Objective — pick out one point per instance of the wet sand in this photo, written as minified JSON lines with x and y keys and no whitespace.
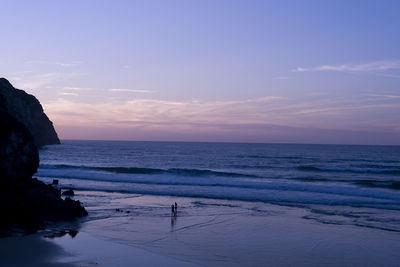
{"x":83,"y":250}
{"x":212,"y":232}
{"x":30,"y":250}
{"x":208,"y":232}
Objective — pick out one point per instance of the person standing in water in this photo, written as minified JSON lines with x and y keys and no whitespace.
{"x":176,"y":208}
{"x":173,"y":209}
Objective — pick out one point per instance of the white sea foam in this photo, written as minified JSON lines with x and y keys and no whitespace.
{"x":298,"y":175}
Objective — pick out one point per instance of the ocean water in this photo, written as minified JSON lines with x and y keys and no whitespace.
{"x":335,"y":184}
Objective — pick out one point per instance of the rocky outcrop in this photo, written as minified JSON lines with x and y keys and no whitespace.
{"x":26,"y":109}
{"x":30,"y":204}
{"x":19,"y":157}
{"x":26,"y":203}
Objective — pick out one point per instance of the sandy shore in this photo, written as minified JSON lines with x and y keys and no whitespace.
{"x":205,"y":232}
{"x":212,"y":232}
{"x":30,"y":250}
{"x":83,"y":250}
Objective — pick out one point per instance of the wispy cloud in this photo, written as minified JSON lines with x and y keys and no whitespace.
{"x":351,"y":113}
{"x":44,"y":80}
{"x":53,"y":63}
{"x":68,"y":94}
{"x":363,"y":67}
{"x":131,"y":90}
{"x":386,"y":96}
{"x":78,"y":88}
{"x":341,"y":110}
{"x":112,"y":111}
{"x":268,"y":109}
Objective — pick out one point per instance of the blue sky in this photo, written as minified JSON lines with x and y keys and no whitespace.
{"x":242,"y":71}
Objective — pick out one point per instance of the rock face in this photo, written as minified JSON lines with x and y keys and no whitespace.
{"x":27,"y":203}
{"x":19,"y":157}
{"x":26,"y":109}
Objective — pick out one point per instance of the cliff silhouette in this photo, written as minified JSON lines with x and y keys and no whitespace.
{"x":25,"y":202}
{"x":26,"y":109}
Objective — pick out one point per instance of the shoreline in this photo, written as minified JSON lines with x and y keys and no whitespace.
{"x":211,"y":232}
{"x":126,"y":229}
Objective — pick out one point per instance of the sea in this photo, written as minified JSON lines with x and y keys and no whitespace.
{"x":333,"y":184}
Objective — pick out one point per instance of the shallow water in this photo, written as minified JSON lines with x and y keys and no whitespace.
{"x":213,"y":232}
{"x":337,"y":184}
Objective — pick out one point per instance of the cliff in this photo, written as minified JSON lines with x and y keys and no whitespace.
{"x":25,"y":202}
{"x":19,"y":157}
{"x":26,"y":109}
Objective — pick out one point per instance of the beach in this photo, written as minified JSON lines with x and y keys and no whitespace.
{"x":238,"y":205}
{"x":225,"y":233}
{"x":38,"y":250}
{"x":205,"y":232}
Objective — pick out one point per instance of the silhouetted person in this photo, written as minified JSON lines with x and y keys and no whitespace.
{"x":173,"y":209}
{"x":176,"y":208}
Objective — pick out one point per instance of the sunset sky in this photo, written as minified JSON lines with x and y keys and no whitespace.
{"x":234,"y":71}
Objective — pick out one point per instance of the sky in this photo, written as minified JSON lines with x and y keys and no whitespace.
{"x":220,"y":70}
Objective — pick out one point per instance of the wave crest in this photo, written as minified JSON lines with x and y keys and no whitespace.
{"x":393,"y":171}
{"x":137,"y":170}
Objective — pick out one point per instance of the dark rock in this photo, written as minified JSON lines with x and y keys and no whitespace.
{"x":30,"y":203}
{"x":60,"y":233}
{"x":27,"y":203}
{"x":72,"y":233}
{"x":26,"y":109}
{"x":55,"y":181}
{"x":68,"y":192}
{"x":19,"y":156}
{"x":57,"y":234}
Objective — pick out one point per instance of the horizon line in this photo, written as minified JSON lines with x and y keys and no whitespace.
{"x":226,"y":142}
